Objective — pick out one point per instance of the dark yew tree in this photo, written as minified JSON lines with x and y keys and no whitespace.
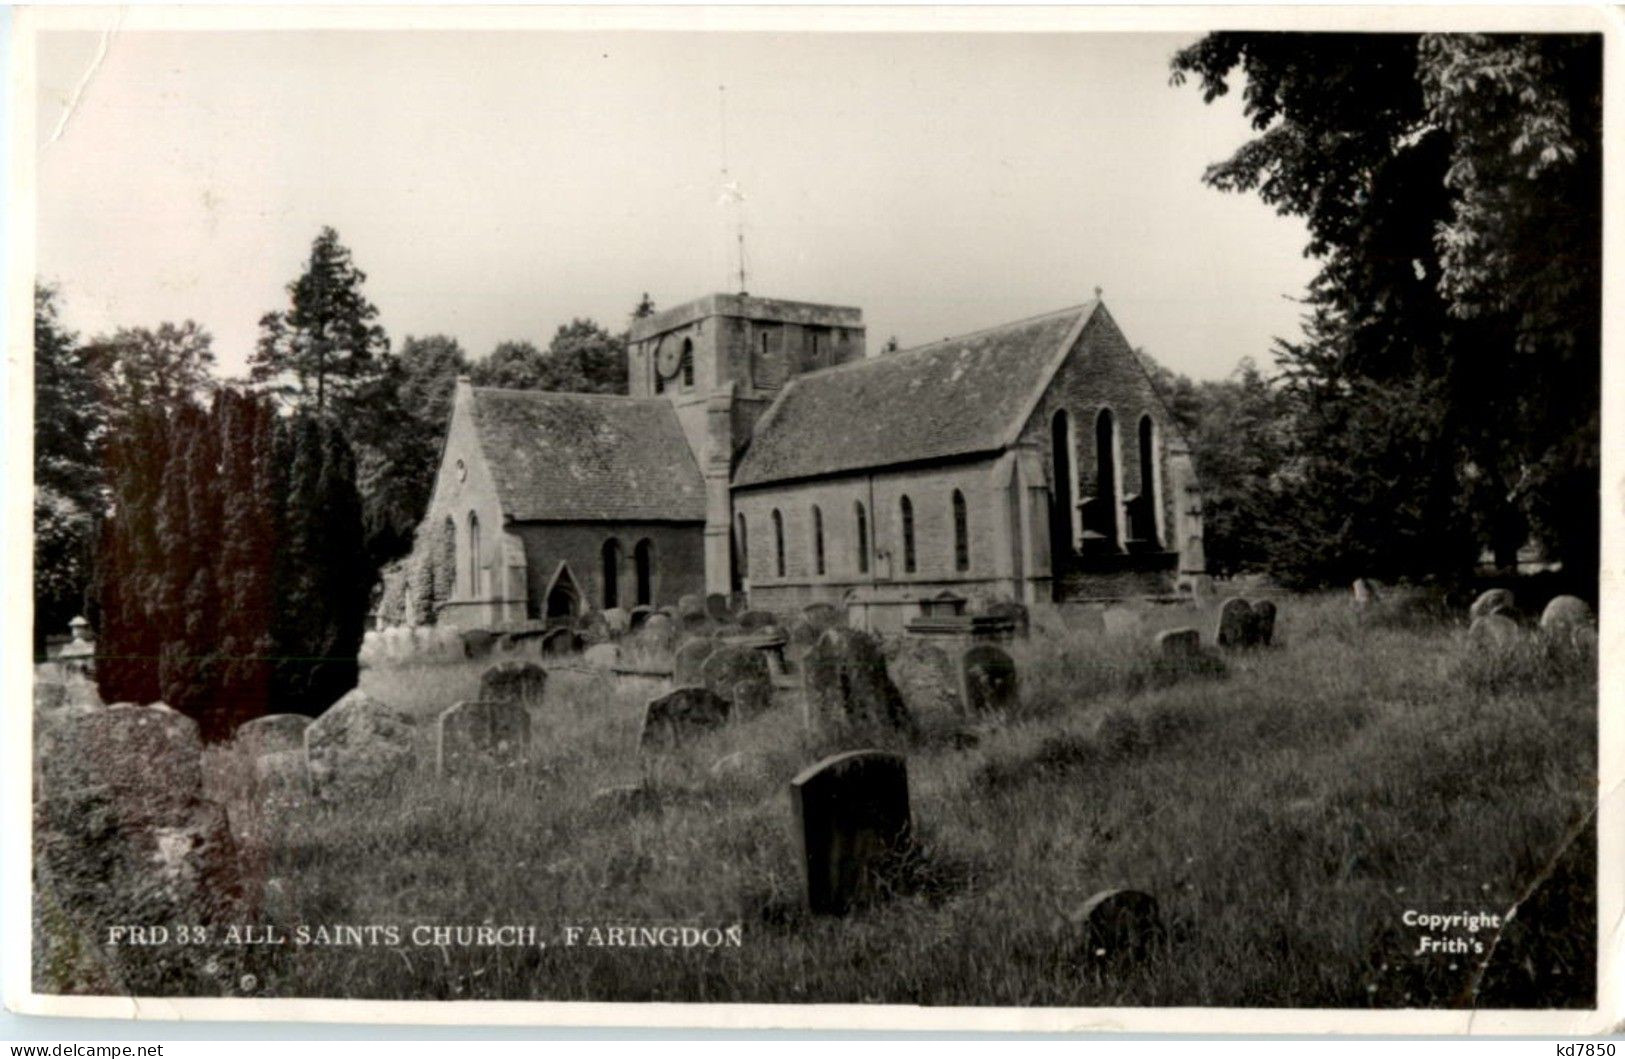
{"x":1444,"y":395}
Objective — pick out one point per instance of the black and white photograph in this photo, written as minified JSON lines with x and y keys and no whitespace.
{"x":899,"y":518}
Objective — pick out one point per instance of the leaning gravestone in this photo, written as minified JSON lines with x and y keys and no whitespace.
{"x":989,"y":674}
{"x":272,"y":734}
{"x":1493,"y":630}
{"x":1565,"y":613}
{"x":360,"y":747}
{"x":687,"y":660}
{"x":740,"y":675}
{"x":852,"y":819}
{"x":925,"y":676}
{"x":1179,"y":643}
{"x":480,"y":739}
{"x":1235,"y":624}
{"x":680,"y":716}
{"x":718,"y":607}
{"x":1263,"y":631}
{"x":1491,"y":601}
{"x":125,"y":836}
{"x":1117,"y":925}
{"x":521,"y":682}
{"x":844,"y":678}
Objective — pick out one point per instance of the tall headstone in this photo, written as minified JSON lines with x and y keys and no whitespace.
{"x":521,"y":682}
{"x":852,"y":819}
{"x":618,"y":622}
{"x":1179,"y":643}
{"x":482,"y":739}
{"x":359,"y":748}
{"x":989,"y":675}
{"x":927,"y":678}
{"x":680,"y":716}
{"x":740,"y":675}
{"x":844,"y":678}
{"x":687,"y":661}
{"x":1235,"y":624}
{"x":1263,"y":630}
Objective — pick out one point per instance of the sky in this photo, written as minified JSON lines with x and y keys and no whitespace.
{"x":495,"y":185}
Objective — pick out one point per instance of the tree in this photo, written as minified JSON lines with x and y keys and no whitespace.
{"x":137,"y":367}
{"x":325,"y":345}
{"x":1427,"y":169}
{"x":513,"y":366}
{"x":582,"y":358}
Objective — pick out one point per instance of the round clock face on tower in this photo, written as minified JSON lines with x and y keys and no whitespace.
{"x":668,"y":358}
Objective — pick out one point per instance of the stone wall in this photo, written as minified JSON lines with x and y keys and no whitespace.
{"x":679,"y":562}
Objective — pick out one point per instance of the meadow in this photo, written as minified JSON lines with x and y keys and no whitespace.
{"x":1286,"y":807}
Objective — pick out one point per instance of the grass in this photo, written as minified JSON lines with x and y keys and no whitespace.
{"x":1285,"y":807}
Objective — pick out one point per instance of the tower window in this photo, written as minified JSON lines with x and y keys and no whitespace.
{"x":818,"y":539}
{"x":863,"y":537}
{"x":778,"y":542}
{"x":688,"y":364}
{"x":906,"y":509}
{"x":961,"y":533}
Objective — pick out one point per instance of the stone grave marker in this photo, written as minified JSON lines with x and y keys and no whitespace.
{"x":756,"y":619}
{"x":272,"y":734}
{"x":637,"y":616}
{"x":602,"y":655}
{"x":718,"y":607}
{"x":989,"y":676}
{"x":281,"y":778}
{"x":690,"y":603}
{"x":1118,"y":926}
{"x":1365,"y":593}
{"x":1263,"y":628}
{"x":687,"y":660}
{"x":844,"y":678}
{"x":1565,"y":613}
{"x":1493,"y":630}
{"x":592,"y":627}
{"x":823,"y":616}
{"x":694,"y":624}
{"x":681,"y":715}
{"x":1235,"y":624}
{"x":477,"y":643}
{"x":1179,"y":643}
{"x":359,"y":748}
{"x":482,"y":739}
{"x":852,"y":819}
{"x":740,"y":675}
{"x":557,"y":643}
{"x":1018,"y":614}
{"x":925,"y":676}
{"x":618,"y":622}
{"x":513,"y":681}
{"x":659,"y":628}
{"x":1490,"y":601}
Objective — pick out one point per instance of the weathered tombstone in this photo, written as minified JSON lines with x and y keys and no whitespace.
{"x":740,"y":675}
{"x":1179,"y":643}
{"x":1493,"y":630}
{"x":1118,"y":925}
{"x":687,"y":660}
{"x":1564,"y":613}
{"x":556,"y":643}
{"x":925,"y":676}
{"x":823,"y":616}
{"x":1018,"y":614}
{"x":482,"y":739}
{"x":1491,"y":601}
{"x":477,"y":643}
{"x":281,"y":778}
{"x":681,"y":715}
{"x":694,"y":624}
{"x":756,"y":619}
{"x":602,"y":655}
{"x":637,"y":616}
{"x":717,"y":607}
{"x":592,"y":627}
{"x":1263,"y":628}
{"x":1365,"y":593}
{"x":658,"y":627}
{"x":358,"y":748}
{"x":989,"y":675}
{"x":521,"y":682}
{"x":272,"y":734}
{"x":618,"y":622}
{"x":852,"y":819}
{"x":844,"y":677}
{"x":690,"y":603}
{"x":1235,"y":624}
{"x":1584,"y":638}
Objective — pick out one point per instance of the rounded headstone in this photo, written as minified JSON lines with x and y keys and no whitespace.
{"x":658,"y":627}
{"x":1365,"y":593}
{"x":990,"y":679}
{"x":1179,"y":643}
{"x":844,"y":678}
{"x":272,"y":734}
{"x":477,"y":643}
{"x":1235,"y":623}
{"x":521,"y":682}
{"x":925,"y":676}
{"x":740,"y":675}
{"x":1489,"y":602}
{"x":1117,"y":925}
{"x":1564,"y":613}
{"x":281,"y":778}
{"x":853,"y":821}
{"x":690,"y":603}
{"x":1493,"y":630}
{"x":637,"y":616}
{"x":482,"y":739}
{"x":1263,"y":626}
{"x":359,"y":747}
{"x":617,"y":621}
{"x":718,"y":607}
{"x":681,"y":715}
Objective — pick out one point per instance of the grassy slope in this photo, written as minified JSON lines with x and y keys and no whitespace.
{"x":1284,"y":813}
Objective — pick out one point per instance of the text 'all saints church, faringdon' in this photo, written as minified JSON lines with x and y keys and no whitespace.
{"x":761,"y":451}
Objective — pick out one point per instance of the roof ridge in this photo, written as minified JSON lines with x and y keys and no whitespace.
{"x":884,"y":357}
{"x":563,"y":393}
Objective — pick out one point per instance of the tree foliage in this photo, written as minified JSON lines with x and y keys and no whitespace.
{"x":583,"y":357}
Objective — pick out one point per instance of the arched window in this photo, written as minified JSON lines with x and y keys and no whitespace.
{"x":1063,"y":535}
{"x":643,"y":571}
{"x":741,"y":546}
{"x":778,"y":542}
{"x":1106,"y":473}
{"x":906,"y":509}
{"x":449,"y":555}
{"x":818,"y":539}
{"x":1149,"y":506}
{"x":612,"y":573}
{"x":961,"y":533}
{"x":474,"y":555}
{"x":687,"y":367}
{"x":863,"y":537}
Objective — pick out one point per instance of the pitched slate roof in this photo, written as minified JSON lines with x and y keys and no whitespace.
{"x":597,"y":457}
{"x":951,"y":398}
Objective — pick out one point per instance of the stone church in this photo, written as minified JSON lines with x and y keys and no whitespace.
{"x":761,"y":452}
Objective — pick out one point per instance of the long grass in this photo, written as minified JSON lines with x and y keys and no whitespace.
{"x":1285,"y":807}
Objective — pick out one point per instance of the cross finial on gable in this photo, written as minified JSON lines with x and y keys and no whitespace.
{"x":1098,"y":293}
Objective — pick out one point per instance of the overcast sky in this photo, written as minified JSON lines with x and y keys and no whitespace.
{"x":494,"y":185}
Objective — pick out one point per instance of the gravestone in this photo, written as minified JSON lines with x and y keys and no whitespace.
{"x":926,"y":678}
{"x":844,"y":678}
{"x":1263,"y":630}
{"x":740,"y":675}
{"x":618,"y":622}
{"x":1118,"y":926}
{"x":680,"y":716}
{"x":803,"y":634}
{"x":557,"y":643}
{"x":751,"y":620}
{"x":694,"y":624}
{"x":823,"y":616}
{"x":272,"y":734}
{"x":1565,"y":613}
{"x":1493,"y":630}
{"x":521,"y":682}
{"x":658,"y":628}
{"x":1179,"y":643}
{"x":852,"y":819}
{"x":637,"y":616}
{"x":592,"y":628}
{"x":281,"y":778}
{"x":602,"y":655}
{"x":482,"y":739}
{"x":989,"y":675}
{"x":1017,"y":613}
{"x":718,"y":608}
{"x":687,"y":660}
{"x":690,"y":603}
{"x":1235,"y":624}
{"x":477,"y":643}
{"x":1365,"y":593}
{"x":1491,"y":601}
{"x":359,"y":748}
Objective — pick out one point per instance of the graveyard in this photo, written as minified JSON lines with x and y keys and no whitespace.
{"x":1163,"y":805}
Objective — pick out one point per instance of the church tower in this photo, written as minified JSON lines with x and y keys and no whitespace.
{"x":721,"y":360}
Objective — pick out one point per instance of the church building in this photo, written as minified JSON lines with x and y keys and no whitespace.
{"x":760,"y":451}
